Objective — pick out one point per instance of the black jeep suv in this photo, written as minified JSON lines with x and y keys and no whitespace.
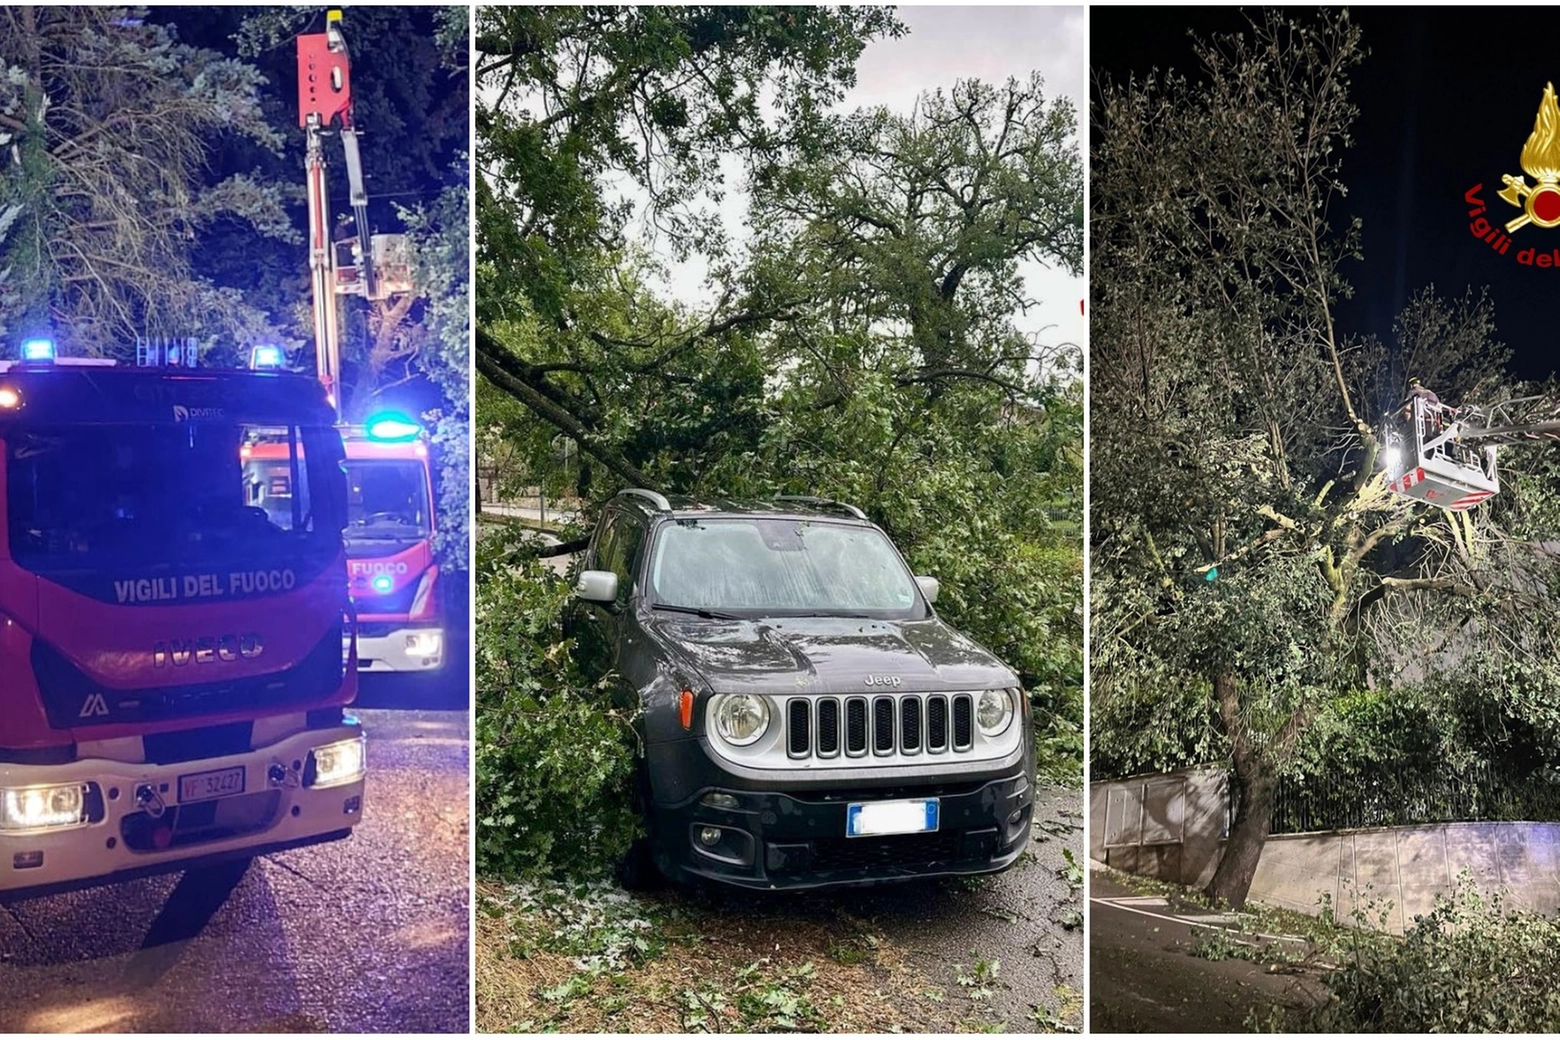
{"x":806,"y":718}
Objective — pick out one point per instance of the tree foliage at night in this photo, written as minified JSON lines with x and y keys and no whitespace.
{"x":153,"y":185}
{"x":1250,"y":567}
{"x":109,"y":123}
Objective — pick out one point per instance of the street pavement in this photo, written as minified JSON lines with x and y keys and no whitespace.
{"x":369,"y":934}
{"x":535,"y":514}
{"x":560,"y":564}
{"x":1144,"y":976}
{"x":1028,"y":920}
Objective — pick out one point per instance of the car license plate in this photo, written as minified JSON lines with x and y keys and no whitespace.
{"x":916,"y":816}
{"x":198,"y":787}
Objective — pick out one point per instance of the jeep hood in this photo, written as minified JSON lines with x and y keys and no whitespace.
{"x":829,"y":655}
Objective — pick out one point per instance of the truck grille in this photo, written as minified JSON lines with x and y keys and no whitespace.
{"x":904,"y":724}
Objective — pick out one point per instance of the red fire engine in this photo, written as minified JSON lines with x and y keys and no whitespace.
{"x":391,"y":518}
{"x":176,"y":648}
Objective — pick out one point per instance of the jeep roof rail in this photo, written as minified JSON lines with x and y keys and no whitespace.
{"x":814,"y":500}
{"x":655,"y":498}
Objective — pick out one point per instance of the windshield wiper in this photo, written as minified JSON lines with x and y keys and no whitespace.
{"x":831,"y":613}
{"x":713,"y":615}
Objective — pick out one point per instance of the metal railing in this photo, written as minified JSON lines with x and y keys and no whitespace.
{"x":1328,"y":803}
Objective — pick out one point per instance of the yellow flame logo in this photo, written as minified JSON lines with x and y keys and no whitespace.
{"x":1541,"y":161}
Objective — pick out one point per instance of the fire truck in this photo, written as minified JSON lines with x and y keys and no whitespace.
{"x":391,"y":519}
{"x":391,"y":573}
{"x":176,"y":652}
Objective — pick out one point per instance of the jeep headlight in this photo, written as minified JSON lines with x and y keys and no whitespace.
{"x":994,"y":712}
{"x":741,"y":718}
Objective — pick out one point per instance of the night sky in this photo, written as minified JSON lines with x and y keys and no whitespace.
{"x":1446,"y":100}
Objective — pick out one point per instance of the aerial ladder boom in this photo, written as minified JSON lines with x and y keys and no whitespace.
{"x":372,"y":266}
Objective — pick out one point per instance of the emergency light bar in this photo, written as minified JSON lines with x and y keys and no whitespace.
{"x":267,"y":355}
{"x":38,"y":350}
{"x":391,"y":427}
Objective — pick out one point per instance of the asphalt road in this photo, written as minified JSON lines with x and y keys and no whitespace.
{"x":370,"y":934}
{"x":1144,"y":977}
{"x":1027,"y":919}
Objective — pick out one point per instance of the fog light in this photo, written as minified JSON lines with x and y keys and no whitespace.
{"x":709,"y":836}
{"x":424,"y":644}
{"x":721,"y":800}
{"x":42,"y":808}
{"x":331,"y":765}
{"x":27,"y":860}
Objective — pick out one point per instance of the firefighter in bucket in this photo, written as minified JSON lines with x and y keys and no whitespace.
{"x":1434,"y":417}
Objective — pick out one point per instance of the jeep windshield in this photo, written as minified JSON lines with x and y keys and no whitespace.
{"x":770,"y":567}
{"x":98,"y":496}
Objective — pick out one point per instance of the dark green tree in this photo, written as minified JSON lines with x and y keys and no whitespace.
{"x":1245,"y":543}
{"x":108,"y":123}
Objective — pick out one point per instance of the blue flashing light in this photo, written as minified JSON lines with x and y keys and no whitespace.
{"x":391,"y":427}
{"x":383,"y":583}
{"x":267,"y":355}
{"x":38,"y":350}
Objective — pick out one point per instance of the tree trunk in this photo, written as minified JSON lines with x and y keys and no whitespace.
{"x":1254,"y":814}
{"x":1253,"y":819}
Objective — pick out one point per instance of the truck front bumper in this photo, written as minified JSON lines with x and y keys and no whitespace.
{"x":400,"y":648}
{"x":790,"y":840}
{"x":138,"y":824}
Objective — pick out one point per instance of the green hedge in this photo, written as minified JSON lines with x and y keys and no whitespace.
{"x":554,"y":759}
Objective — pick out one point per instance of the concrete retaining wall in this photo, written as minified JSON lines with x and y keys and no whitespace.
{"x":1172,"y":826}
{"x":1407,"y":867}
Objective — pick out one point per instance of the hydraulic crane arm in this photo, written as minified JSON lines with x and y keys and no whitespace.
{"x":325,"y":99}
{"x":1516,"y":421}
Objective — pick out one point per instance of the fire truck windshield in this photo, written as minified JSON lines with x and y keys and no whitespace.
{"x":387,"y":501}
{"x":91,"y":496}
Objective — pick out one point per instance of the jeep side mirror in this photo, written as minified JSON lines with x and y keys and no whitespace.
{"x":597,"y":586}
{"x":929,"y":587}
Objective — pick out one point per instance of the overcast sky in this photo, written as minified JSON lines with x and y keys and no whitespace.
{"x":946,"y":44}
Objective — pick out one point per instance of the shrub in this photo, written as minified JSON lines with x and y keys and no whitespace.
{"x":554,"y":759}
{"x":1467,"y":966}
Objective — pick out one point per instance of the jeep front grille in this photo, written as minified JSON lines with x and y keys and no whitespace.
{"x":798,"y":728}
{"x":856,"y":726}
{"x":903,"y":724}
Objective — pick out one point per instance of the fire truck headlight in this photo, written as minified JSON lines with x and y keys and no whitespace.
{"x":424,"y":644}
{"x":10,"y":397}
{"x":331,"y":765}
{"x":42,"y":808}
